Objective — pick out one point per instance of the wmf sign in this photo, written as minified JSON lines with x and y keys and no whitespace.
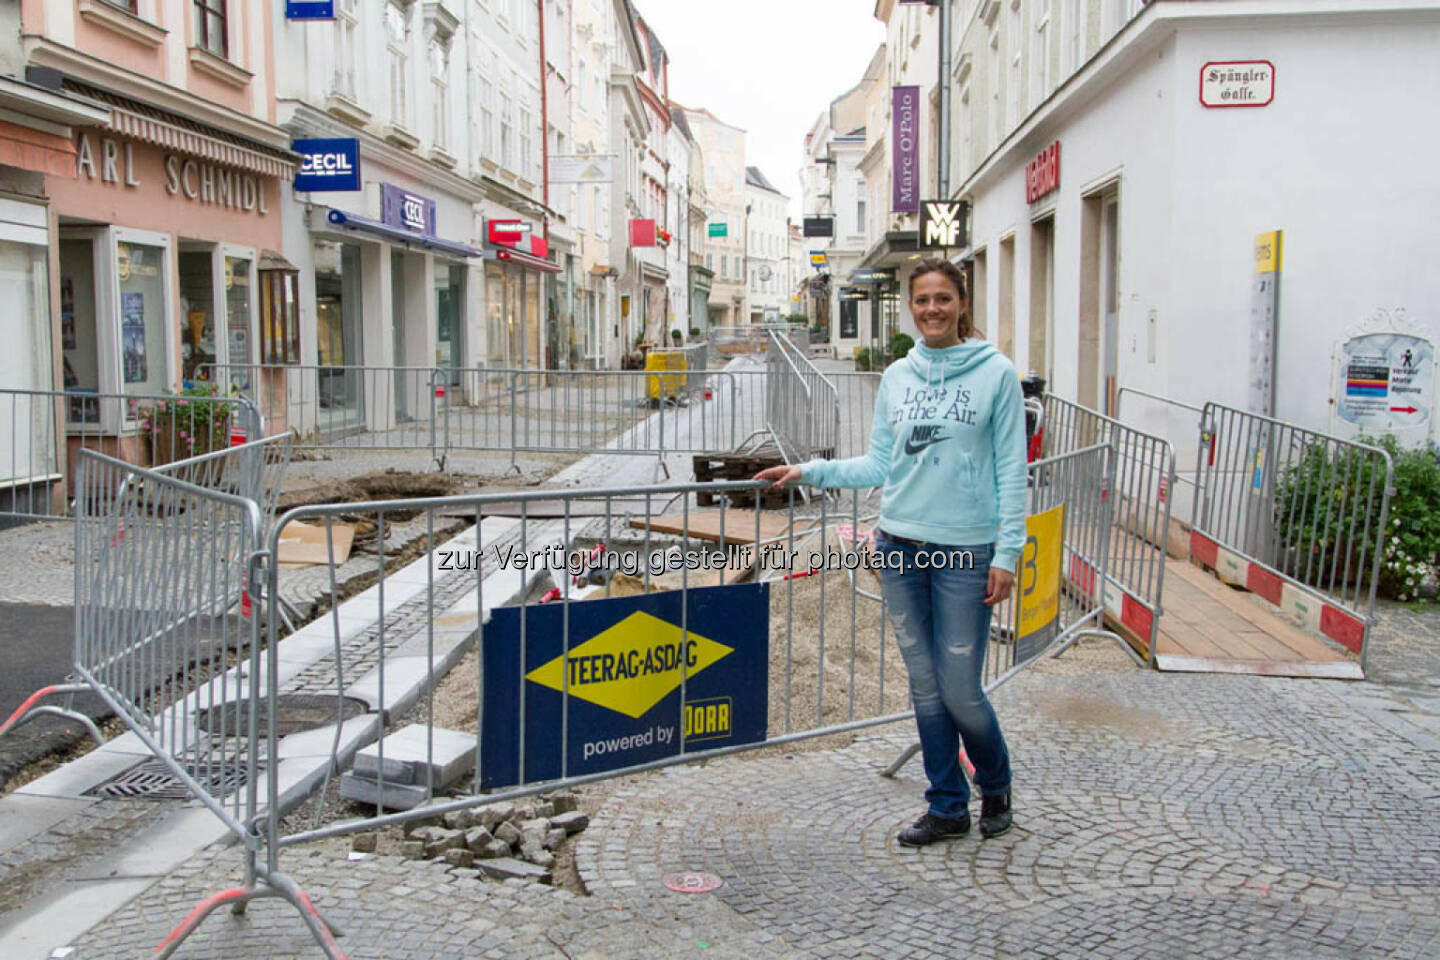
{"x":942,"y":223}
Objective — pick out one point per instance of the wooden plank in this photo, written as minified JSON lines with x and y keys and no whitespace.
{"x":1304,"y":646}
{"x":705,"y":525}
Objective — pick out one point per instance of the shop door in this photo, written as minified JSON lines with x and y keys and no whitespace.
{"x":1110,"y":296}
{"x":397,"y":330}
{"x":199,"y":353}
{"x":449,"y":312}
{"x":339,"y":393}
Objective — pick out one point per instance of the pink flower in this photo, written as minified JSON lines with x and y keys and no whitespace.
{"x":181,"y":403}
{"x":184,"y":435}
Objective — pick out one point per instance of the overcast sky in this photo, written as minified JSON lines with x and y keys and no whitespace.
{"x":767,"y":66}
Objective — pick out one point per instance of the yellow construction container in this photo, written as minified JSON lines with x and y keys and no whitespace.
{"x":664,"y":386}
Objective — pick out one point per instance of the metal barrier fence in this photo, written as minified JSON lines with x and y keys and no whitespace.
{"x":620,"y":411}
{"x":719,"y":666}
{"x":802,"y":407}
{"x":117,"y":500}
{"x":43,"y":431}
{"x":1183,"y":497}
{"x":1281,"y":505}
{"x":345,"y":407}
{"x":1144,"y":477}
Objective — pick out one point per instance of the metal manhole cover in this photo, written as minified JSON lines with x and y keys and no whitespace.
{"x":152,"y":780}
{"x":294,"y":713}
{"x":693,"y":882}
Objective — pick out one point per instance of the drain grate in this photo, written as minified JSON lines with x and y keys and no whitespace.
{"x":152,"y":780}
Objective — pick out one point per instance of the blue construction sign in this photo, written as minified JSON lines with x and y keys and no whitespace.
{"x":627,"y":658}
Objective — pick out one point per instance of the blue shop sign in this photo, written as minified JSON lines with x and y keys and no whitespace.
{"x":328,"y":165}
{"x":309,"y":9}
{"x":409,"y":211}
{"x":626,"y":661}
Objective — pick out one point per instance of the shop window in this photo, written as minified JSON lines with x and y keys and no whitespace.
{"x":397,"y":36}
{"x":345,"y":21}
{"x":142,"y":273}
{"x":211,"y":28}
{"x":279,"y":310}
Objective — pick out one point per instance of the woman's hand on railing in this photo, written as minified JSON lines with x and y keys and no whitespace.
{"x":781,"y":475}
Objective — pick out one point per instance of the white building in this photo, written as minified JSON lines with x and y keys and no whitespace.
{"x":723,"y":149}
{"x":836,"y":145}
{"x":767,"y":250}
{"x":1128,"y":257}
{"x":678,"y":216}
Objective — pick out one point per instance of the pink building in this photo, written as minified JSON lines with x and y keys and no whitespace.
{"x":171,"y":197}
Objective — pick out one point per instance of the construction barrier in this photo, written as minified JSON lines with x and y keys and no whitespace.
{"x":1296,"y":516}
{"x":1144,"y":475}
{"x":352,"y":407}
{"x":43,"y":431}
{"x":802,"y":406}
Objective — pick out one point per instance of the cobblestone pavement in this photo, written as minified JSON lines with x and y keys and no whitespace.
{"x":1179,"y":815}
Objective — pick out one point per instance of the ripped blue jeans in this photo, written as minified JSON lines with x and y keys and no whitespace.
{"x":942,"y":625}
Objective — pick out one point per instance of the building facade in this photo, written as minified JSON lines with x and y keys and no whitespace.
{"x":767,"y":248}
{"x":723,"y":149}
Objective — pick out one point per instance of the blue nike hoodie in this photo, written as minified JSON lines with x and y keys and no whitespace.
{"x":948,"y":444}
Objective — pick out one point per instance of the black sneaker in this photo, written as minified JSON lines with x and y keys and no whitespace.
{"x":932,"y":829}
{"x":995,"y":815}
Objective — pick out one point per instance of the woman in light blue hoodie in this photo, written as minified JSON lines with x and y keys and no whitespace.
{"x":948,"y":446}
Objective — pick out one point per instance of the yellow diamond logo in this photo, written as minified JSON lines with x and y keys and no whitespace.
{"x":633,"y":665}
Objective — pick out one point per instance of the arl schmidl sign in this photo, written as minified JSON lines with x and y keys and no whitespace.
{"x":905,"y":150}
{"x":1042,"y":175}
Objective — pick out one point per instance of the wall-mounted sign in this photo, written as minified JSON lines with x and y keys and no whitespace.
{"x":905,"y":149}
{"x":1237,"y":83}
{"x":583,"y":168}
{"x":942,"y":224}
{"x":506,"y":233}
{"x":818,"y":227}
{"x":871,"y":275}
{"x":328,"y":164}
{"x":642,"y":233}
{"x":718,"y":229}
{"x":1264,"y":311}
{"x":818,"y":258}
{"x":401,"y":208}
{"x":1386,"y":383}
{"x":1042,"y":175}
{"x":309,"y":9}
{"x":853,"y":293}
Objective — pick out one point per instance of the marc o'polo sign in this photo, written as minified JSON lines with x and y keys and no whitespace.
{"x":327,"y":165}
{"x":1237,"y":83}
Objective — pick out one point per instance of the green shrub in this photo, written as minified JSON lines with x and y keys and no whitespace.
{"x":676,"y":336}
{"x":1321,"y":505}
{"x":862,"y":359}
{"x":899,"y":345}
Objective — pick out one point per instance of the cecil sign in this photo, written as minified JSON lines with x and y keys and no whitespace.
{"x":328,"y":164}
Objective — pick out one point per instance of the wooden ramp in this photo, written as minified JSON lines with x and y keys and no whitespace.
{"x":1208,"y":627}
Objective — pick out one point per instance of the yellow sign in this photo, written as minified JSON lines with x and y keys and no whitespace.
{"x":1039,"y":580}
{"x":1268,"y":251}
{"x":633,"y":665}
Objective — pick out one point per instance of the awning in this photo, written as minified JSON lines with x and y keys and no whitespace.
{"x":519,"y":259}
{"x":348,"y":221}
{"x":149,"y":124}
